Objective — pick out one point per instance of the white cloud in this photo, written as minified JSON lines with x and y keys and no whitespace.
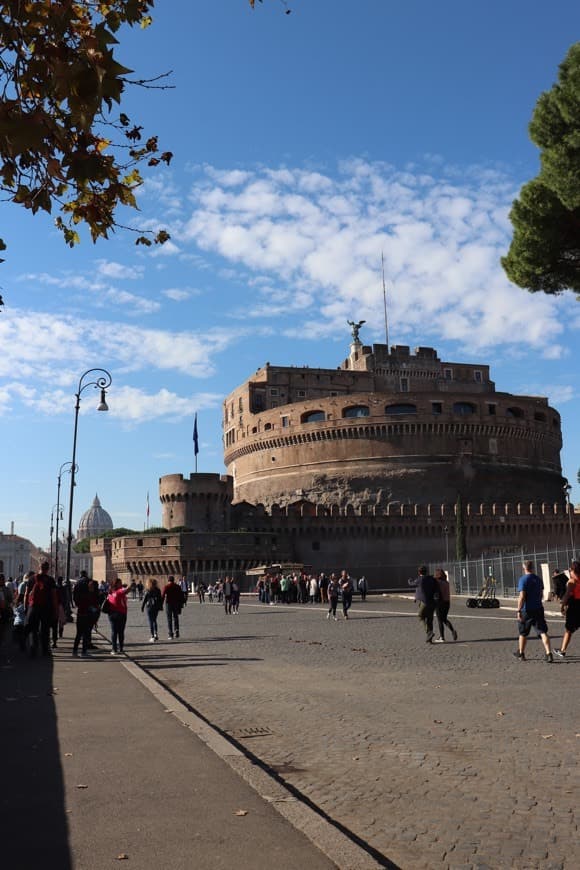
{"x":118,"y":271}
{"x":320,"y":239}
{"x":178,"y":295}
{"x":44,"y":354}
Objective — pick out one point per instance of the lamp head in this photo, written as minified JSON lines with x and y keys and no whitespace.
{"x":102,"y":406}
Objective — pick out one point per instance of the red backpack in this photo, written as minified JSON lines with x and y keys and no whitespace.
{"x":39,"y":595}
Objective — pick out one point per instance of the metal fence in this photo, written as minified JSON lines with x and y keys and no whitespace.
{"x":469,"y":577}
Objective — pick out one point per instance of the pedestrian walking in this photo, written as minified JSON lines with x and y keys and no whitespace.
{"x":347,"y":590}
{"x":332,"y":597}
{"x":227,"y":595}
{"x":442,"y":605}
{"x":363,"y":586}
{"x":425,"y":590}
{"x":152,"y":603}
{"x":60,"y":621}
{"x":173,"y":600}
{"x":41,"y":609}
{"x":117,"y":613}
{"x":235,"y":597}
{"x":6,"y":601}
{"x":313,"y":590}
{"x":570,"y":608}
{"x":85,"y":600}
{"x":530,"y":612}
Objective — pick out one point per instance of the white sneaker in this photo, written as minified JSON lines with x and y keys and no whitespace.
{"x":328,"y":615}
{"x":152,"y":640}
{"x":439,"y":640}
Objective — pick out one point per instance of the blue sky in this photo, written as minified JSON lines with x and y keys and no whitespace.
{"x":304,"y":145}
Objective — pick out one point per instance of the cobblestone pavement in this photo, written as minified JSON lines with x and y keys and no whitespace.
{"x":448,"y":755}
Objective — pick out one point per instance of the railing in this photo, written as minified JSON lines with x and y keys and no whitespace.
{"x":470,"y":576}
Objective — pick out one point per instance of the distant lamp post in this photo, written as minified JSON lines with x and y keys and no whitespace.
{"x":101,"y":383}
{"x":55,"y":512}
{"x":446,"y":533}
{"x":66,"y":466}
{"x":567,"y":488}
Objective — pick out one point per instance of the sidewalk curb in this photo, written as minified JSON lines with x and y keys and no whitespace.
{"x":339,"y":848}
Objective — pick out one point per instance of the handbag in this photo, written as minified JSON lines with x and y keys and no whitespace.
{"x":106,"y":606}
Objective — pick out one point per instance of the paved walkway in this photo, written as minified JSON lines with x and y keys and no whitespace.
{"x":255,"y":737}
{"x":94,"y":768}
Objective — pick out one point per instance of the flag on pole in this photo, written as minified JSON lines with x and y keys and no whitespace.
{"x":147,"y":504}
{"x":195,"y":439}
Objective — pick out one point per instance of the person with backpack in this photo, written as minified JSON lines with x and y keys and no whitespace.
{"x":41,"y":606}
{"x":85,"y":600}
{"x":152,"y":603}
{"x":173,"y":600}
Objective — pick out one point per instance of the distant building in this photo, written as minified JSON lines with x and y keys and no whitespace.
{"x":18,"y":555}
{"x":94,"y":522}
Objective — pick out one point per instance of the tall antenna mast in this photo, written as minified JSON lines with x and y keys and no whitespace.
{"x":385,"y":300}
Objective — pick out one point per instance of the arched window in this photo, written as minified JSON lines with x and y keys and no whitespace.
{"x":268,"y":426}
{"x":356,"y":411}
{"x":401,"y":408}
{"x":515,"y":412}
{"x":464,"y":408}
{"x":312,"y":417}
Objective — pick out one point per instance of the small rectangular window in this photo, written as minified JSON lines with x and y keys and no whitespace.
{"x":333,"y":394}
{"x":163,"y":542}
{"x":285,"y":422}
{"x":139,"y":542}
{"x":491,"y":409}
{"x":404,"y":382}
{"x":448,"y":374}
{"x":477,"y":376}
{"x":437,"y":407}
{"x":273,"y":391}
{"x":274,"y":404}
{"x":301,"y":394}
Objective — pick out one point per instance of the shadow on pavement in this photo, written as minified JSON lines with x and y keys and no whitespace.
{"x":32,"y":801}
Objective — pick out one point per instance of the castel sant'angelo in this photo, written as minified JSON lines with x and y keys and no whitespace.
{"x":361,"y":466}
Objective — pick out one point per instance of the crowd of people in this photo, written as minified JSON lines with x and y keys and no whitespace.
{"x":37,"y":609}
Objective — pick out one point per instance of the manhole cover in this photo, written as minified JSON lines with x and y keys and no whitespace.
{"x":245,"y":733}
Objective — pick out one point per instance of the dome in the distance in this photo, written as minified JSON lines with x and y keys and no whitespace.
{"x":94,"y":522}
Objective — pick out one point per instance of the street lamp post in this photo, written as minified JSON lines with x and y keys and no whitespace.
{"x":567,"y":488}
{"x":56,"y":511}
{"x":66,"y":466}
{"x":446,"y":533}
{"x":101,"y":383}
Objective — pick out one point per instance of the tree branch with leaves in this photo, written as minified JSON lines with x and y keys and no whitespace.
{"x":64,"y":144}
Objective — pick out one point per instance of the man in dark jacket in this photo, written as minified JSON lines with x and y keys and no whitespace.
{"x":173,"y":601}
{"x":425,"y":590}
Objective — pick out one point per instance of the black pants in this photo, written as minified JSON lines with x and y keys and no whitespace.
{"x":172,"y":614}
{"x":442,"y":611}
{"x":39,"y":622}
{"x":426,"y":612}
{"x":84,"y":626}
{"x":118,"y":622}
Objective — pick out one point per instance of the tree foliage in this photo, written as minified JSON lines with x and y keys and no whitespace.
{"x":545,"y":250}
{"x":64,"y":143}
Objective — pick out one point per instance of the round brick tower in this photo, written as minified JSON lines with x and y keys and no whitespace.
{"x":388,"y":426}
{"x":200,"y":503}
